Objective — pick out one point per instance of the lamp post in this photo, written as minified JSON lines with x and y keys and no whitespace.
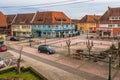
{"x":109,"y":74}
{"x":30,"y":40}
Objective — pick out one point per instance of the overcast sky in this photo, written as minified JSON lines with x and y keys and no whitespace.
{"x":72,"y":8}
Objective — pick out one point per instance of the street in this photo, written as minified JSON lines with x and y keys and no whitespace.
{"x":59,"y":66}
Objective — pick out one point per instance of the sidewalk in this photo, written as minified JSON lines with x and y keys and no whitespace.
{"x":86,"y":66}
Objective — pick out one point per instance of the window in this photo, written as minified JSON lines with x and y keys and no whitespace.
{"x":111,"y":25}
{"x":118,"y":25}
{"x":44,"y":32}
{"x":60,"y":19}
{"x":114,"y":18}
{"x":49,"y":26}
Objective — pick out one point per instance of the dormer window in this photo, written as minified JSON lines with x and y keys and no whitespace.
{"x":40,"y":19}
{"x":64,"y":19}
{"x":60,"y":19}
{"x":114,"y":18}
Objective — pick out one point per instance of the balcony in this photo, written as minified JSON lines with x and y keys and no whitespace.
{"x":53,"y":29}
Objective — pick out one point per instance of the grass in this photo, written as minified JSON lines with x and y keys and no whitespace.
{"x":25,"y":75}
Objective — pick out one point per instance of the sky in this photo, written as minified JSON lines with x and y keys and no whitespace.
{"x":75,"y":9}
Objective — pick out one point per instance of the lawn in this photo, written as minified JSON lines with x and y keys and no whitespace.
{"x":25,"y":75}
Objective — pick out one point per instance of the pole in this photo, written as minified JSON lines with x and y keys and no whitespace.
{"x":30,"y":41}
{"x":45,"y":40}
{"x":109,"y":74}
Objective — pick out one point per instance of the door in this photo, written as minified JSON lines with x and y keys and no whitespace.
{"x":39,"y":33}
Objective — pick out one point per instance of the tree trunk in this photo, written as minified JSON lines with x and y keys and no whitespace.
{"x":69,"y":50}
{"x":18,"y":66}
{"x":89,"y":54}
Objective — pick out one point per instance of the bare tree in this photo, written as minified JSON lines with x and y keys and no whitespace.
{"x":68,"y":42}
{"x":89,"y":46}
{"x":18,"y":61}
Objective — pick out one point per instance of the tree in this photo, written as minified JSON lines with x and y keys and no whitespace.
{"x":18,"y":61}
{"x":89,"y":46}
{"x":113,"y":51}
{"x":68,"y":42}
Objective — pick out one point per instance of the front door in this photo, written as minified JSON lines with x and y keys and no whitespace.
{"x":39,"y":33}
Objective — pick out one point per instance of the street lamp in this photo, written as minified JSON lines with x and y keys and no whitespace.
{"x":30,"y":39}
{"x":109,"y":74}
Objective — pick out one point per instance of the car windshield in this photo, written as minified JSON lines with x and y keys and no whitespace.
{"x":49,"y":47}
{"x":2,"y":46}
{"x":1,"y":59}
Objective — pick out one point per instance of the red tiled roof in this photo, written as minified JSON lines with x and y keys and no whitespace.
{"x":23,"y":18}
{"x":10,"y":18}
{"x":75,"y":21}
{"x":90,"y":19}
{"x":109,"y":13}
{"x":50,"y":17}
{"x":3,"y":22}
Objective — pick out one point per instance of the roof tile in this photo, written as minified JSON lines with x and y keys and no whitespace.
{"x":109,"y":13}
{"x":51,"y":17}
{"x":90,"y":19}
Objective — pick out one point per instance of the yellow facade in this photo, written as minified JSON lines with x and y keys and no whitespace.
{"x":21,"y":30}
{"x":86,"y":27}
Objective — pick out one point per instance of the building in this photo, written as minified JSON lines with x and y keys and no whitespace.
{"x":77,"y":23}
{"x":9,"y":19}
{"x":3,"y":27}
{"x":52,"y":24}
{"x":110,"y":23}
{"x":21,"y":25}
{"x":3,"y":23}
{"x":89,"y":23}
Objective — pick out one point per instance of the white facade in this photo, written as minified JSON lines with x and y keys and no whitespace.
{"x":110,"y":25}
{"x":21,"y":30}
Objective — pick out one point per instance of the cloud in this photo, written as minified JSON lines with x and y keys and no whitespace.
{"x":73,"y":10}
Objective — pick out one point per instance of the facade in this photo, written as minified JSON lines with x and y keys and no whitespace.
{"x":89,"y":23}
{"x":77,"y":23}
{"x":52,"y":24}
{"x":110,"y":23}
{"x":21,"y":25}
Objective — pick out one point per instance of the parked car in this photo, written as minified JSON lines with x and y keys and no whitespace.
{"x":1,"y":63}
{"x":14,"y":39}
{"x":3,"y":48}
{"x":46,"y":49}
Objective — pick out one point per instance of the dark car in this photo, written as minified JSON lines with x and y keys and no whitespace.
{"x":14,"y":39}
{"x":46,"y":49}
{"x":3,"y":48}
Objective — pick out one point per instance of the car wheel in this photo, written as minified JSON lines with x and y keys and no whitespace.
{"x":39,"y":51}
{"x":48,"y":52}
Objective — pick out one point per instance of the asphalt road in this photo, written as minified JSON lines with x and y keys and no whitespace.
{"x":83,"y":74}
